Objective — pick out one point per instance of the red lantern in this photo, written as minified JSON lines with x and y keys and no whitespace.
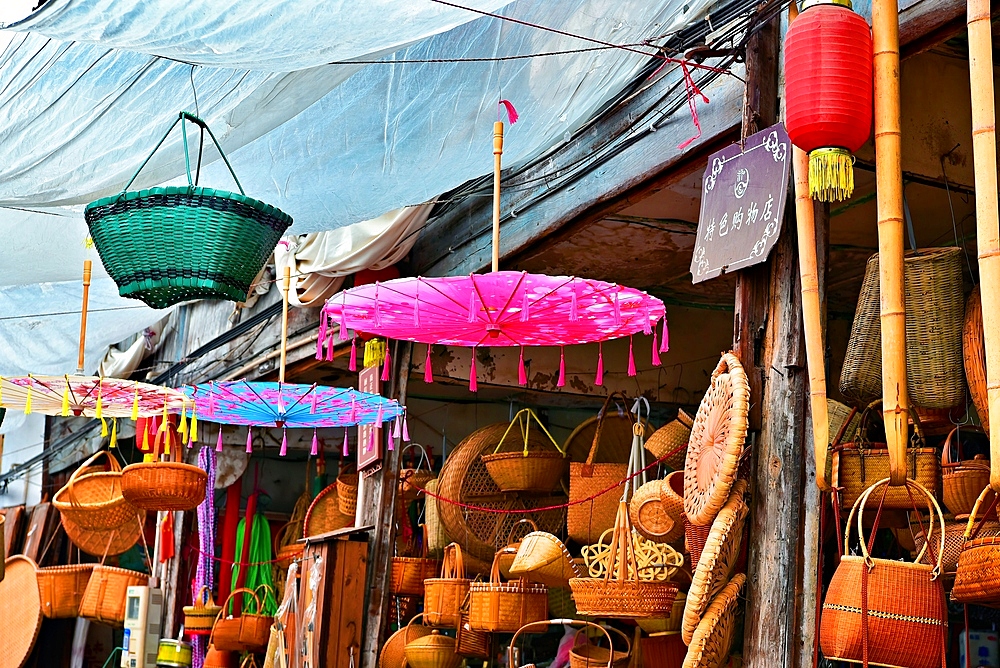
{"x":828,"y":93}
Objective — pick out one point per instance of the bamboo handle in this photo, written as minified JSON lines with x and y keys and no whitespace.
{"x":497,"y":156}
{"x":83,"y":314}
{"x":889,"y":200}
{"x":984,"y":153}
{"x":286,"y":286}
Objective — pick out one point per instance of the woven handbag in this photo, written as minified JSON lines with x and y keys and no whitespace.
{"x":587,"y":518}
{"x":173,"y":244}
{"x":977,"y":578}
{"x":935,"y":307}
{"x":247,"y":632}
{"x":504,"y":607}
{"x":93,"y":500}
{"x":201,"y":615}
{"x":860,"y":463}
{"x":444,"y":595}
{"x":527,"y":469}
{"x":408,"y":574}
{"x":963,"y":480}
{"x":469,"y":643}
{"x":954,"y":540}
{"x":106,"y":593}
{"x":886,"y":612}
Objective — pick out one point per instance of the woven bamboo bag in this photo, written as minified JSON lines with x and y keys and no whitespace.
{"x":527,"y":469}
{"x":935,"y":308}
{"x":885,"y":612}
{"x":954,"y":541}
{"x":963,"y":480}
{"x":860,"y":463}
{"x":588,"y":518}
{"x":504,"y":607}
{"x":246,"y":632}
{"x":201,"y":615}
{"x":444,"y":596}
{"x":977,"y":578}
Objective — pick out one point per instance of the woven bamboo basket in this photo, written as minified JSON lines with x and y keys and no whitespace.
{"x":164,"y":485}
{"x":526,"y":469}
{"x":324,"y":514}
{"x":106,"y":543}
{"x":286,"y":546}
{"x":542,"y":558}
{"x":393,"y":652}
{"x":471,"y":644}
{"x":464,"y":478}
{"x":347,"y":494}
{"x":648,"y":514}
{"x":432,"y":651}
{"x":201,"y":615}
{"x":414,"y":479}
{"x":107,"y":590}
{"x":954,"y":540}
{"x":436,"y":537}
{"x":589,"y":655}
{"x":94,"y":501}
{"x":172,"y":244}
{"x":513,"y":543}
{"x":408,"y":574}
{"x":504,"y":607}
{"x":444,"y":595}
{"x":713,"y":638}
{"x":977,"y":577}
{"x":621,"y":592}
{"x":669,"y":623}
{"x":61,"y":589}
{"x":247,"y":632}
{"x":672,"y":439}
{"x":907,"y":614}
{"x":963,"y":480}
{"x":663,"y":650}
{"x":974,"y":356}
{"x":717,"y":438}
{"x":672,"y":500}
{"x":935,"y":307}
{"x":20,"y":611}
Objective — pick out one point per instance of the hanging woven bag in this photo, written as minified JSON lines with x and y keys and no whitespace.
{"x":444,"y":595}
{"x":962,"y":480}
{"x":200,"y":616}
{"x":93,"y":500}
{"x":977,"y":578}
{"x":246,"y":632}
{"x":526,"y":469}
{"x":886,"y":612}
{"x":414,"y":479}
{"x":106,"y":593}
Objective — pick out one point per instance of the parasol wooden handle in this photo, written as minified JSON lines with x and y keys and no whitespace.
{"x":83,"y":314}
{"x":497,"y":155}
{"x":285,"y":287}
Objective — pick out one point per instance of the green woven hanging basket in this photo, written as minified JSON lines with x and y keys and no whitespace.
{"x":172,"y":244}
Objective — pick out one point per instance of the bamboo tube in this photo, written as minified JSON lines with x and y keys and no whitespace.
{"x":285,"y":287}
{"x":889,"y":189}
{"x":497,"y":154}
{"x":984,"y":152}
{"x":83,"y":315}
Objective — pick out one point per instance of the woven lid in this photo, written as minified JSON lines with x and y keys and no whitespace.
{"x":714,"y":636}
{"x":20,"y":611}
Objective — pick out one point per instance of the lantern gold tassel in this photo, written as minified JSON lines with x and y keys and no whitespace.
{"x":65,"y":402}
{"x":374,"y":352}
{"x":831,"y":175}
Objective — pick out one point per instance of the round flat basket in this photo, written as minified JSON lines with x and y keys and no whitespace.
{"x":111,"y":542}
{"x":713,"y":638}
{"x":464,"y":478}
{"x":616,"y":439}
{"x":718,"y":558}
{"x":650,"y":516}
{"x":20,"y":611}
{"x":716,"y":444}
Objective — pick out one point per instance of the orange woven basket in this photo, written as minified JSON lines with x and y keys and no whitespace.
{"x":107,"y":590}
{"x":504,"y":607}
{"x":347,"y":494}
{"x":974,"y":355}
{"x":106,"y":543}
{"x":589,"y":655}
{"x":444,"y":595}
{"x":413,"y":480}
{"x":61,"y":589}
{"x":408,"y":574}
{"x":977,"y":578}
{"x":94,"y":501}
{"x":324,"y":514}
{"x":527,"y":469}
{"x":961,"y":481}
{"x":164,"y":485}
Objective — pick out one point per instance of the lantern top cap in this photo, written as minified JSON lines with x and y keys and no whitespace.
{"x":812,"y":3}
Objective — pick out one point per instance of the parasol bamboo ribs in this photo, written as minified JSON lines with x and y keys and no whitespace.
{"x":984,"y":152}
{"x":286,"y":286}
{"x":497,"y":156}
{"x":889,"y":189}
{"x":83,"y":315}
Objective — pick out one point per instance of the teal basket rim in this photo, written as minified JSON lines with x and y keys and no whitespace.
{"x":196,"y":190}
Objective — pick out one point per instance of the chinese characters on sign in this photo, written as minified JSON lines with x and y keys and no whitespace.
{"x":742,"y":204}
{"x":369,"y":450}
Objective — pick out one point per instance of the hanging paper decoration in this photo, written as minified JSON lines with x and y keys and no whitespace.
{"x":828,"y":93}
{"x":89,"y":396}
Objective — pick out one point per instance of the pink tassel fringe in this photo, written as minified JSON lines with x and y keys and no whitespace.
{"x":353,"y":366}
{"x":522,"y":374}
{"x":428,"y":372}
{"x":599,"y":379}
{"x":473,"y":381}
{"x":562,"y":367}
{"x":631,"y":358}
{"x":314,"y":450}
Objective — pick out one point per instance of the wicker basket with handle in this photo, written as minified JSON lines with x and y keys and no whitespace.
{"x":977,"y":578}
{"x":962,"y":480}
{"x":588,"y":655}
{"x":106,"y":593}
{"x":526,"y":469}
{"x":540,"y":626}
{"x":408,"y":574}
{"x":935,"y":308}
{"x":542,"y":558}
{"x":201,"y":615}
{"x":61,"y":589}
{"x":504,"y":607}
{"x":347,"y":493}
{"x":324,"y":514}
{"x":247,"y":632}
{"x":954,"y":540}
{"x":891,"y":612}
{"x":588,"y":518}
{"x":444,"y":595}
{"x":94,"y":501}
{"x":164,"y":485}
{"x":413,"y":479}
{"x":671,"y":440}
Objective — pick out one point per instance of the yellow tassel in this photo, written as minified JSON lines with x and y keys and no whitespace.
{"x":27,"y":399}
{"x":104,"y":428}
{"x":145,"y":439}
{"x":193,"y":434}
{"x":182,"y":428}
{"x":65,"y":402}
{"x":831,"y":175}
{"x":135,"y":403}
{"x":114,"y":434}
{"x":374,"y":352}
{"x":163,"y":421}
{"x":147,"y":458}
{"x":99,"y":409}
{"x":166,"y":443}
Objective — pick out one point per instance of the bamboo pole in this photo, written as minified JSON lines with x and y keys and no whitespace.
{"x":285,"y":287}
{"x":497,"y":154}
{"x":83,"y":315}
{"x":889,"y":189}
{"x":984,"y":152}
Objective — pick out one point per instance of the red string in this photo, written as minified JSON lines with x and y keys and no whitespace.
{"x":230,"y":562}
{"x":692,"y":91}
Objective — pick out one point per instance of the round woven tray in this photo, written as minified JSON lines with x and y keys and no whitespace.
{"x":716,"y":443}
{"x":20,"y":611}
{"x":718,"y":558}
{"x":714,"y":636}
{"x":464,"y":478}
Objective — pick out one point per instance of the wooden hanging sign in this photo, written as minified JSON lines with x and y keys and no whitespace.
{"x":743,"y":198}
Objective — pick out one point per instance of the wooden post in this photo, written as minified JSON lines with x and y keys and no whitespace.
{"x":83,"y":315}
{"x":984,"y":152}
{"x":497,"y":157}
{"x":889,"y":201}
{"x":286,"y":286}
